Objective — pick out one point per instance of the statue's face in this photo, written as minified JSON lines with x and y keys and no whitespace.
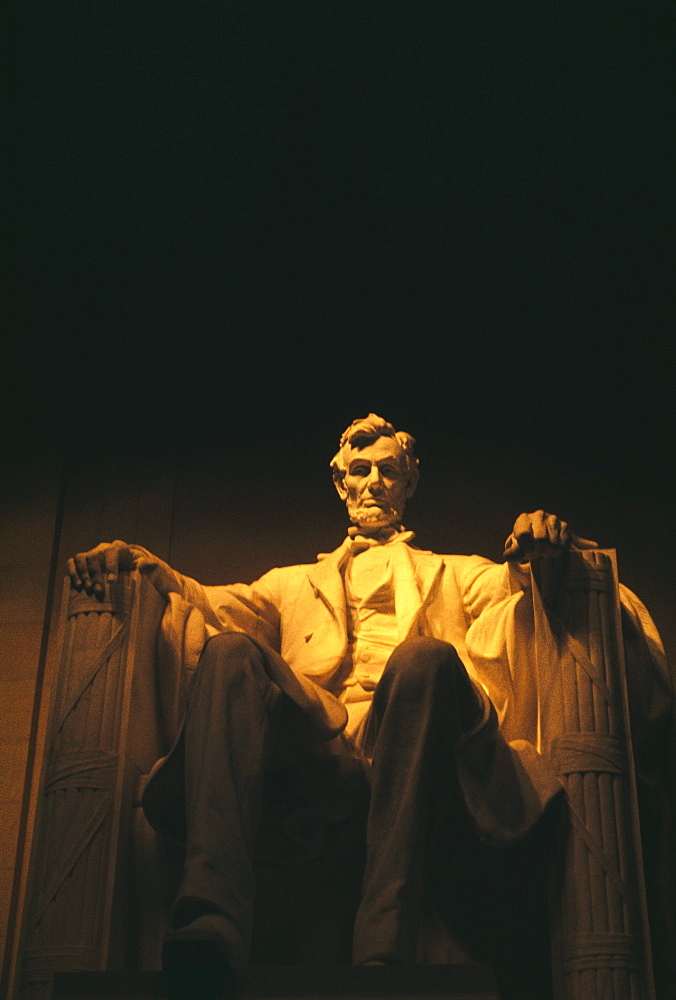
{"x":376,"y":487}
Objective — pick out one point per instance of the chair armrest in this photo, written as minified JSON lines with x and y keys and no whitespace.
{"x":105,"y":730}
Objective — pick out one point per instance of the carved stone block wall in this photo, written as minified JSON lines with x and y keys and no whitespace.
{"x":29,"y":493}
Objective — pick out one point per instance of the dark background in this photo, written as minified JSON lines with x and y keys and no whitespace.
{"x":234,"y":227}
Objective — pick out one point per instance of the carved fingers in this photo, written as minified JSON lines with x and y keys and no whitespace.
{"x":89,"y":571}
{"x":541,"y":534}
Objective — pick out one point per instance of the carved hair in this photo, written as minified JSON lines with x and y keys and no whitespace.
{"x":365,"y":431}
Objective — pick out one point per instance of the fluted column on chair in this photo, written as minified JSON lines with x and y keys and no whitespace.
{"x":72,"y":883}
{"x":600,"y":933}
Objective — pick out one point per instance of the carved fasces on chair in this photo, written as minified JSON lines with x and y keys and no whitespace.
{"x":601,"y":944}
{"x":93,"y":758}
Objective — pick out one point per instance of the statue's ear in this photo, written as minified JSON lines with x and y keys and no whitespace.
{"x":412,"y":483}
{"x":338,"y":482}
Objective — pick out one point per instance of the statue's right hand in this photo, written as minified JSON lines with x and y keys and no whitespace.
{"x":89,"y":571}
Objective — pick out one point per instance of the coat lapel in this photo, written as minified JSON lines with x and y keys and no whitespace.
{"x":416,"y":574}
{"x":327,"y":582}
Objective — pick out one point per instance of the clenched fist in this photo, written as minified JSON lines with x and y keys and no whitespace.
{"x":541,"y":534}
{"x":90,"y":570}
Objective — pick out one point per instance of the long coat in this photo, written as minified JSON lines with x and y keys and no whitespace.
{"x":298,"y":616}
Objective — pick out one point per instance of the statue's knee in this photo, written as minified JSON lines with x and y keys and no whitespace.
{"x":424,"y":660}
{"x":429,"y":671}
{"x":230,"y":652}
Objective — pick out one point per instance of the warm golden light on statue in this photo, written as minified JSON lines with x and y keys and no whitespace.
{"x":425,"y":700}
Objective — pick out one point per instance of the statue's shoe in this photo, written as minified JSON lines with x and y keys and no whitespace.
{"x":196,"y":964}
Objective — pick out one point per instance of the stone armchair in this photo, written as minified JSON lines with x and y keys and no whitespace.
{"x":102,"y":881}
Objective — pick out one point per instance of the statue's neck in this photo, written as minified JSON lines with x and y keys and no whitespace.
{"x":382,"y":534}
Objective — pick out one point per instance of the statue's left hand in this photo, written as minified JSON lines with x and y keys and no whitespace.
{"x":541,"y":534}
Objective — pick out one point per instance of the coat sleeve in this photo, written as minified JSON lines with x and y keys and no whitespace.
{"x":251,"y":608}
{"x":649,"y":687}
{"x":500,"y":640}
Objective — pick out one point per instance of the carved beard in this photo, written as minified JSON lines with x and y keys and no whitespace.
{"x":373,"y":517}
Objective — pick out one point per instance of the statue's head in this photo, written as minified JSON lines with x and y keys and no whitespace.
{"x":375,"y":472}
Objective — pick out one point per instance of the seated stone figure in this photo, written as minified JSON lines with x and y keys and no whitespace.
{"x":406,"y":671}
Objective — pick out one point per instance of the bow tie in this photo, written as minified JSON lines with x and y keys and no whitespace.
{"x":360,"y":543}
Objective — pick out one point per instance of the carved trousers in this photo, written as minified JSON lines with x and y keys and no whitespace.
{"x":240,"y":726}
